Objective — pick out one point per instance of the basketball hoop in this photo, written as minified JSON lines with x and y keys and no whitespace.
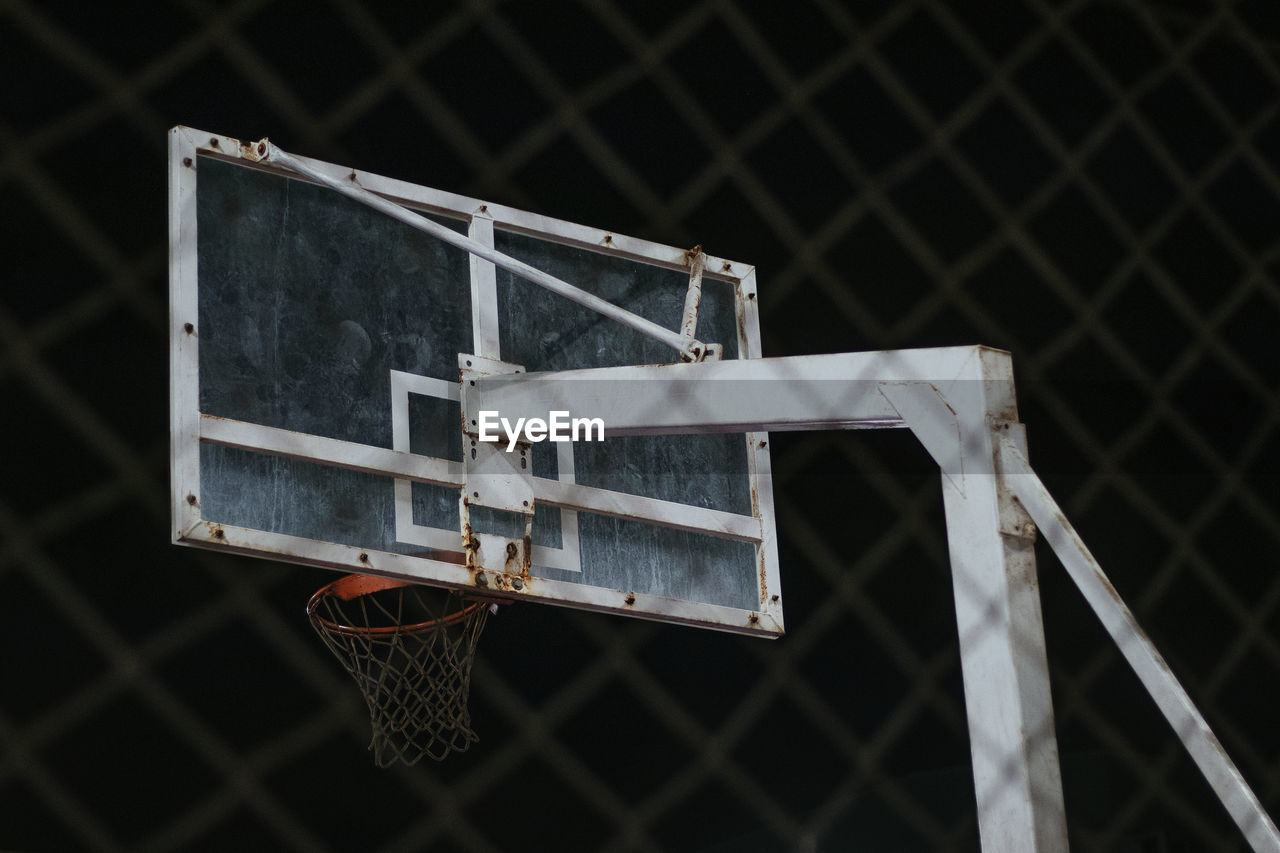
{"x":410,"y":649}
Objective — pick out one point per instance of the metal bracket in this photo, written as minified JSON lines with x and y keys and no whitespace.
{"x":1015,"y":521}
{"x":714,"y":352}
{"x":497,"y":478}
{"x":944,"y":433}
{"x":693,"y":298}
{"x":934,"y":422}
{"x":508,"y":559}
{"x":499,"y":472}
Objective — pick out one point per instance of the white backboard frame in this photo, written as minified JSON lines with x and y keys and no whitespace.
{"x":190,"y":427}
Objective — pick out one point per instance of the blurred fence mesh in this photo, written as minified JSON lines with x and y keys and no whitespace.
{"x":1092,"y":184}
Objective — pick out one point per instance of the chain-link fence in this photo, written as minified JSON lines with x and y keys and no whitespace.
{"x":1091,"y":184}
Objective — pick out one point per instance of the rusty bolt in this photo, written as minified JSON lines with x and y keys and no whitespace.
{"x":218,"y":534}
{"x":764,"y":444}
{"x":188,"y":327}
{"x":753,"y":618}
{"x":484,"y":208}
{"x":775,"y":599}
{"x":364,"y":558}
{"x":630,"y":599}
{"x":482,"y":579}
{"x":517,"y":583}
{"x":191,"y":499}
{"x":475,"y":494}
{"x":726,"y":267}
{"x":751,"y":296}
{"x":213,"y":141}
{"x":186,"y":161}
{"x":526,"y":503}
{"x":608,"y":238}
{"x":511,"y":550}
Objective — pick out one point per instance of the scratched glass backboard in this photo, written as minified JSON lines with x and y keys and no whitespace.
{"x":544,"y":332}
{"x":307,"y":302}
{"x":323,"y":320}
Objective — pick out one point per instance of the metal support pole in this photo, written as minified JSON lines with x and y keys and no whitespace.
{"x":991,"y":543}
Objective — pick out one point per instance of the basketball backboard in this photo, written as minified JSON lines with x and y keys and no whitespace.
{"x":332,"y":355}
{"x":320,"y":355}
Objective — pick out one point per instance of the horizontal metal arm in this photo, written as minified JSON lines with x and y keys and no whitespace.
{"x":1187,"y":721}
{"x":689,"y":349}
{"x":836,"y":391}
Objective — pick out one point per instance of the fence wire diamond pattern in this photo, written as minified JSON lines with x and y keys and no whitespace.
{"x":1092,"y":184}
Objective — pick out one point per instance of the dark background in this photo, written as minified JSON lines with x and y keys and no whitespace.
{"x":1093,"y":185}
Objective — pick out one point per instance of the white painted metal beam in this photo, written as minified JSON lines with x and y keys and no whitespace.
{"x":425,"y":469}
{"x":1156,"y":676}
{"x":836,"y":391}
{"x":1001,"y":630}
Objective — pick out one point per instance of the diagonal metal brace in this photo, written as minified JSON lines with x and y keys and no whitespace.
{"x":1152,"y":670}
{"x":690,"y":349}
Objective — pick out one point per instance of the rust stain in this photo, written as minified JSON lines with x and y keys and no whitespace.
{"x":740,"y":317}
{"x":254,"y":151}
{"x":943,"y":398}
{"x":690,"y":255}
{"x":764,"y":585}
{"x":469,"y":544}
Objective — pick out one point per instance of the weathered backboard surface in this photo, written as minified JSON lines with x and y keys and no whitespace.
{"x":315,"y":385}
